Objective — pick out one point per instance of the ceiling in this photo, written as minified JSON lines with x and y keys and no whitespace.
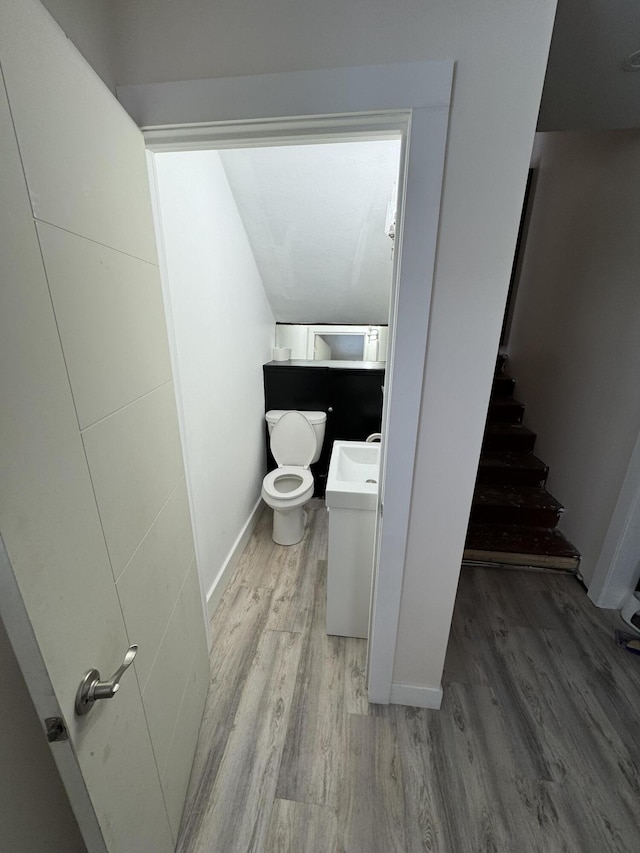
{"x":585,"y":86}
{"x":315,"y":217}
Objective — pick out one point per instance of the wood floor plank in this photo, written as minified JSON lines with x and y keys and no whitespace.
{"x":241,"y":799}
{"x":302,"y":828}
{"x":292,"y":599}
{"x":310,"y":770}
{"x":356,"y":700}
{"x":260,"y":563}
{"x":419,"y":732}
{"x":520,"y":686}
{"x":597,"y":685}
{"x":371,"y":809}
{"x":535,"y":749}
{"x":466,"y":746}
{"x":237,"y":627}
{"x":586,"y":751}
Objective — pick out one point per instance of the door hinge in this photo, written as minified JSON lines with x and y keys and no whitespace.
{"x":56,"y":729}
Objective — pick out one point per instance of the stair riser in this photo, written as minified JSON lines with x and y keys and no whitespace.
{"x":506,"y":414}
{"x":510,"y":477}
{"x":524,"y":516}
{"x":515,"y":443}
{"x":503,"y":386}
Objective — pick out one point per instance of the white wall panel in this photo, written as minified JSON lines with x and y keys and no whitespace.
{"x":111,"y":318}
{"x":160,"y":562}
{"x":86,"y":186}
{"x":80,"y":152}
{"x":54,"y":539}
{"x":162,"y":694}
{"x":136,"y":462}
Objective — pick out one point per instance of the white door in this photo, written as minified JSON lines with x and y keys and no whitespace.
{"x":93,"y":508}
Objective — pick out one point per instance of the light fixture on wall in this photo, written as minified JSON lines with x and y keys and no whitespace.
{"x":632,"y":62}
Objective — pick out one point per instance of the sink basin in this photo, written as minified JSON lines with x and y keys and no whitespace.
{"x":353,"y":477}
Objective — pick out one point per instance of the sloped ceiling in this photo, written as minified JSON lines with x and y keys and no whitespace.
{"x":315,"y":218}
{"x":586,"y":87}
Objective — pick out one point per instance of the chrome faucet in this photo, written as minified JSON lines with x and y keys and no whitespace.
{"x":375,"y":436}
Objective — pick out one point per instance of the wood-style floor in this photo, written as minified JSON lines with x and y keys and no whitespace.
{"x":536,"y":747}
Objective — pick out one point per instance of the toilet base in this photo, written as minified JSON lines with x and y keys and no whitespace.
{"x":288,"y":527}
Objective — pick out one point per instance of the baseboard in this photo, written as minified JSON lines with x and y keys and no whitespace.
{"x":217,"y":588}
{"x":416,"y":696}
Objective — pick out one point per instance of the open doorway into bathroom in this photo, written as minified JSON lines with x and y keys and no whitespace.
{"x":416,"y":231}
{"x":286,"y":245}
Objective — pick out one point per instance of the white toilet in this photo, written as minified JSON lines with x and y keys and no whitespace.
{"x":296,"y":440}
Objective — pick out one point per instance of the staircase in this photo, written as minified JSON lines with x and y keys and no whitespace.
{"x":514,"y":519}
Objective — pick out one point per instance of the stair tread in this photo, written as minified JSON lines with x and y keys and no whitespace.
{"x":507,"y":400}
{"x":508,"y":429}
{"x":502,"y":385}
{"x":520,"y":546}
{"x":508,"y":436}
{"x":531,"y":497}
{"x":510,"y":459}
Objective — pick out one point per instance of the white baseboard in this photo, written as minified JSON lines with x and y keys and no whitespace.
{"x":217,"y":588}
{"x":416,"y":696}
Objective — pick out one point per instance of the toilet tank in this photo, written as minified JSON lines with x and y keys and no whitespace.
{"x":317,"y":420}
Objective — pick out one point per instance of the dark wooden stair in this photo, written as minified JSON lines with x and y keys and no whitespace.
{"x":514,"y":519}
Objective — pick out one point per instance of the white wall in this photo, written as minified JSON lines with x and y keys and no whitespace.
{"x":575,"y":339}
{"x":29,"y":775}
{"x":223,"y":333}
{"x":91,"y":26}
{"x":315,"y":218}
{"x":500,"y":51}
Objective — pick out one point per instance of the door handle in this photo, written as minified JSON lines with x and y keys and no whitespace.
{"x":91,"y":688}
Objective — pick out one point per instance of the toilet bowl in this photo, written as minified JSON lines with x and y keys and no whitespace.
{"x":296,"y":441}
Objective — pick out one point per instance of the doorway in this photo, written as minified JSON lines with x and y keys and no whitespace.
{"x":256,"y":243}
{"x":412,"y":100}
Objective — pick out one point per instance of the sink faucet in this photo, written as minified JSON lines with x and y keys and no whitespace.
{"x":375,"y":436}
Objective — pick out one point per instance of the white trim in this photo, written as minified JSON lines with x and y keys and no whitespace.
{"x":416,"y":696}
{"x":217,"y":588}
{"x":295,"y":130}
{"x":340,"y":104}
{"x":323,"y":92}
{"x":416,"y":236}
{"x":27,"y":651}
{"x":618,"y":566}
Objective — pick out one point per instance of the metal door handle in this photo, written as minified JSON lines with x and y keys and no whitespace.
{"x":91,"y":688}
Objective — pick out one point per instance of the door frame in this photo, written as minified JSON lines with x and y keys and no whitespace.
{"x":409,"y":100}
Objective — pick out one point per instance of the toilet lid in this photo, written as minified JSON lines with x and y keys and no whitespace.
{"x":293,"y":441}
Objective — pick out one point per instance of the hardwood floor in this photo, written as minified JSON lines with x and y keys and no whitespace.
{"x":536,"y":748}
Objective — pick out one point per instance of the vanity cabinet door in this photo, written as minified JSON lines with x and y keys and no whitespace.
{"x":355,"y":396}
{"x":302,"y":388}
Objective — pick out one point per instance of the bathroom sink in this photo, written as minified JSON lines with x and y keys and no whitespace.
{"x":353,"y":477}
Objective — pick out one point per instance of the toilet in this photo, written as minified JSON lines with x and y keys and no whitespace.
{"x":296,"y":440}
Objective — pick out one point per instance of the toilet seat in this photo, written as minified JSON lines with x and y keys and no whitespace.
{"x":293,"y":441}
{"x":288,"y":497}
